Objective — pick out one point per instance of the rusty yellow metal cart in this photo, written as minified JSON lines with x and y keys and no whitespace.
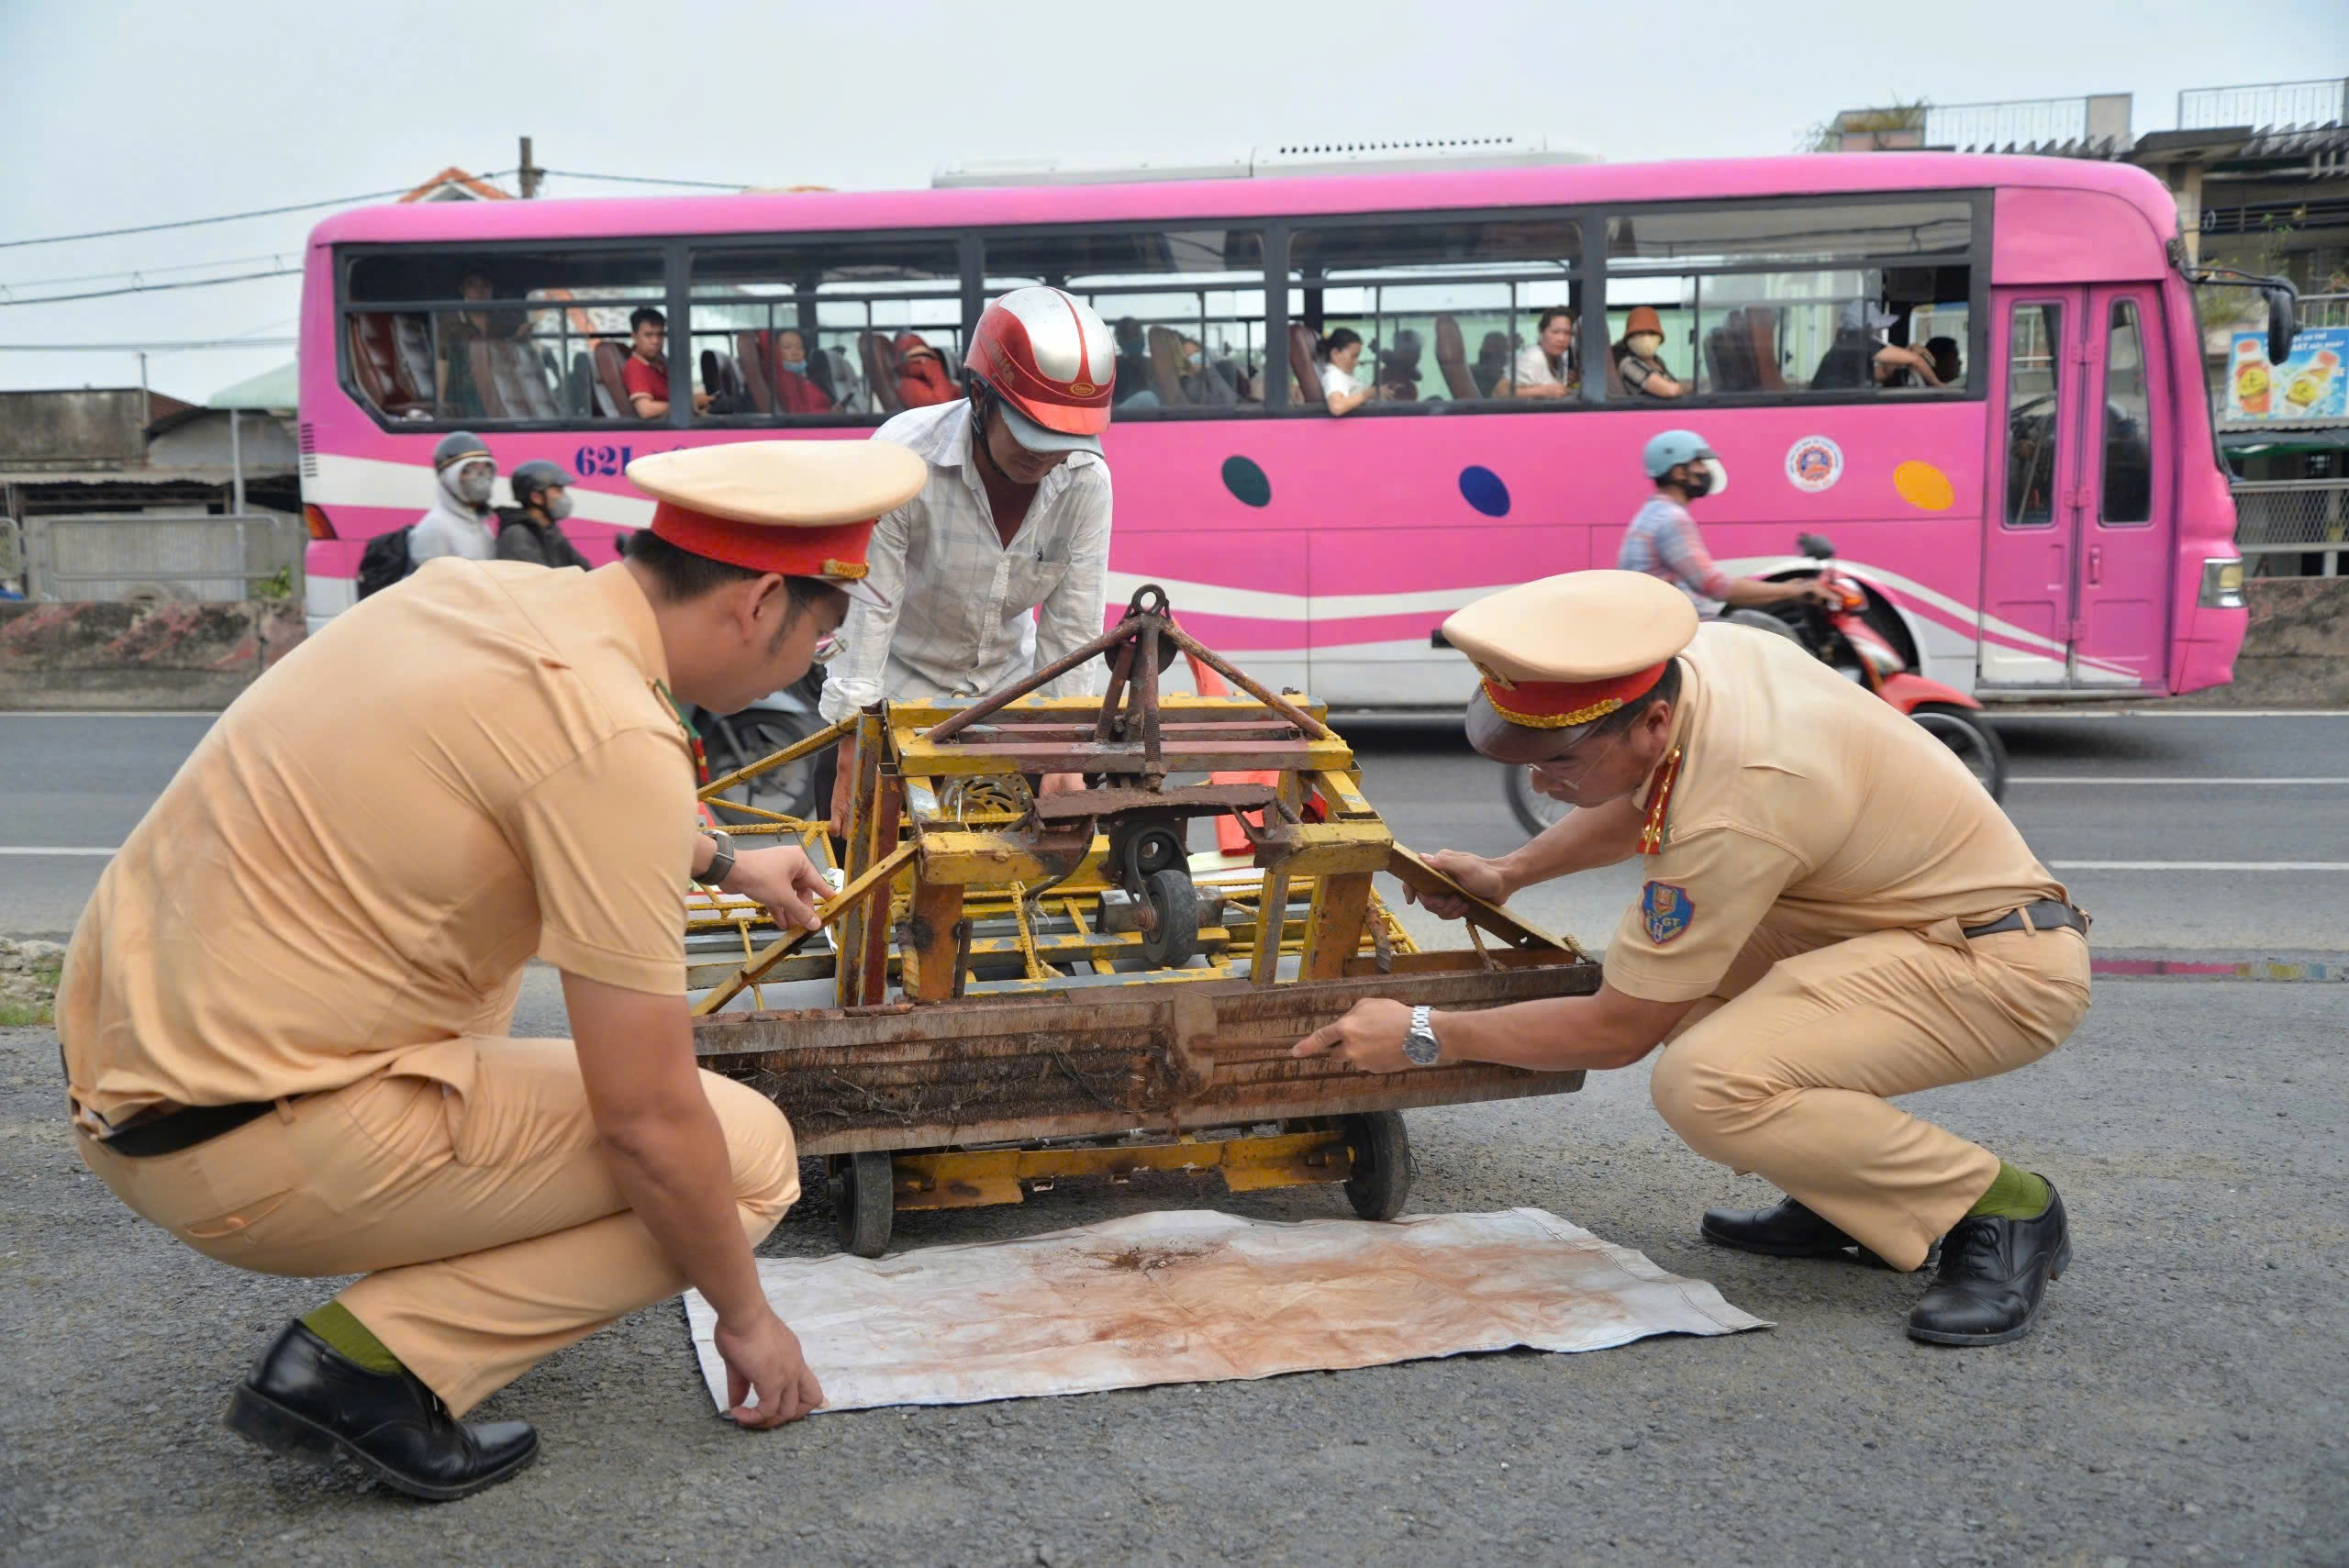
{"x":1010,"y":989}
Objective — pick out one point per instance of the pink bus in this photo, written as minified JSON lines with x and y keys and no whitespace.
{"x":2052,"y":518}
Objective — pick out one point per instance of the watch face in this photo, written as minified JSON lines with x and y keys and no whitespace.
{"x":1421,"y":1048}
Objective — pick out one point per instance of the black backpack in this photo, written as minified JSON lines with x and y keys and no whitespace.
{"x":383,"y":562}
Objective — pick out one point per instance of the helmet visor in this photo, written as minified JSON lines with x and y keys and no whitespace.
{"x":1037,"y":438}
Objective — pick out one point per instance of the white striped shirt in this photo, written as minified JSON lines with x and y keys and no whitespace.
{"x":959,"y":626}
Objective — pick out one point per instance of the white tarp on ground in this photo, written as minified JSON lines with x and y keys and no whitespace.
{"x":1196,"y":1296}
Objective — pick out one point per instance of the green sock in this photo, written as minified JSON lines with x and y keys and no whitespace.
{"x":335,"y":1325}
{"x":2013,"y":1195}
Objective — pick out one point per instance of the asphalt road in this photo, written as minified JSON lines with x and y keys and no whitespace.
{"x":2183,"y":1399}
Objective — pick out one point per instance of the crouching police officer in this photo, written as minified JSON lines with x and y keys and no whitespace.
{"x":283,"y":1014}
{"x":1835,"y":913}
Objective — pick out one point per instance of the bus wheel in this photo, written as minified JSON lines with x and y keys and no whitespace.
{"x":864,"y":1202}
{"x":1381,"y":1151}
{"x":1969,"y":735}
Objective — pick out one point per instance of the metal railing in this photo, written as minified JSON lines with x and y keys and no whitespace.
{"x":188,"y":559}
{"x":2294,"y":517}
{"x":2325,"y":310}
{"x":2022,"y":122}
{"x":2321,"y":102}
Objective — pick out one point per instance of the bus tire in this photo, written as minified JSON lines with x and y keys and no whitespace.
{"x":1969,"y":735}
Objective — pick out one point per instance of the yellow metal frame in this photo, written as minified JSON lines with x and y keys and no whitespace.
{"x":973,"y":1178}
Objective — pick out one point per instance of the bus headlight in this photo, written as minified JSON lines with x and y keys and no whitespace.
{"x":2223,"y":583}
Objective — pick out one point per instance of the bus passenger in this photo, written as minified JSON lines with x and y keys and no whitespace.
{"x":922,"y":380}
{"x":796,"y":391}
{"x":646,"y":374}
{"x":543,"y":492}
{"x":1204,"y":381}
{"x":1637,"y":358}
{"x":1835,"y":914}
{"x":1341,"y":351}
{"x":999,"y":565}
{"x":1664,"y":541}
{"x":1133,"y":367}
{"x":1947,"y":366}
{"x":459,"y":522}
{"x":1862,"y":355}
{"x":1547,"y":367}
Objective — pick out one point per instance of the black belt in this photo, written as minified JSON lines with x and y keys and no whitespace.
{"x":2044,"y":916}
{"x":176,"y":1130}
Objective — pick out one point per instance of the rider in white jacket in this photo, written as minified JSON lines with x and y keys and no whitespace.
{"x":458,"y":521}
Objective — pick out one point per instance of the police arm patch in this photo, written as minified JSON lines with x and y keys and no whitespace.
{"x":1667,"y":910}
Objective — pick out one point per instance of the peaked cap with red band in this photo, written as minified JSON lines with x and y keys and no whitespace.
{"x":1564,"y":652}
{"x":803,"y":508}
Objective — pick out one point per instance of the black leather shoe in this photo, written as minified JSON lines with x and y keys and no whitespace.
{"x":1993,"y":1275}
{"x":305,"y":1399}
{"x":1786,"y":1230}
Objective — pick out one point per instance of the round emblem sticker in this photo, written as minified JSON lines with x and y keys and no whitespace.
{"x":1813,"y":463}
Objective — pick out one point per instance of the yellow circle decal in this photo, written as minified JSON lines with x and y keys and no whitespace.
{"x":1922,"y":484}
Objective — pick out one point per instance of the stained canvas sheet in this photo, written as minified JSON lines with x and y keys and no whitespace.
{"x":1196,"y":1296}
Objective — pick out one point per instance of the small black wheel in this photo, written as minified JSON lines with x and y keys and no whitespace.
{"x":1380,"y":1150}
{"x":1145,"y":849}
{"x":1535,"y":811}
{"x":1172,"y":939}
{"x":864,"y":1202}
{"x":1969,"y":735}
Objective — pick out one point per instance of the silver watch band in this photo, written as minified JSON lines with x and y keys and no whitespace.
{"x":1420,"y":1044}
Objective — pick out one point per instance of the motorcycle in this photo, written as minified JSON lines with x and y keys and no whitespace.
{"x":780,"y":719}
{"x":1850,"y":641}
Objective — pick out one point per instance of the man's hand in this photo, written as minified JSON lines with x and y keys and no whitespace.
{"x":1061,"y":784}
{"x":782,"y":879}
{"x":1474,"y":873}
{"x":765,"y":1355}
{"x":1369,"y":1037}
{"x":701,"y":402}
{"x":1815,"y":590}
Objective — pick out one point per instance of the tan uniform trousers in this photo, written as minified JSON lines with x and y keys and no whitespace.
{"x":468,"y":1186}
{"x":1786,"y":1069}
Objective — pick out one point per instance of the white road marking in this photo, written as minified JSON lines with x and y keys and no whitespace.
{"x":2198,"y":866}
{"x":2109,"y":779}
{"x":46,"y":849}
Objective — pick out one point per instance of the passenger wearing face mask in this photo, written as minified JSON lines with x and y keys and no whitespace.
{"x":1204,"y":382}
{"x":1664,"y":540}
{"x":543,"y":492}
{"x":458,"y":521}
{"x":1638,"y":362}
{"x":796,"y":390}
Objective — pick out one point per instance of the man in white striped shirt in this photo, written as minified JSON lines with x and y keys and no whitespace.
{"x":1014,"y":519}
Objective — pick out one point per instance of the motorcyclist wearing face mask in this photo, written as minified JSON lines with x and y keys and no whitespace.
{"x":543,"y":492}
{"x":458,"y":521}
{"x":1639,"y":362}
{"x":1664,"y":540}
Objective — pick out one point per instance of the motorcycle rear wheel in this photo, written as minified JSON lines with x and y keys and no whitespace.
{"x":1969,"y":735}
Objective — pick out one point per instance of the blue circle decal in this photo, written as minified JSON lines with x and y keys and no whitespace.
{"x":1482,"y":489}
{"x":1246,"y":481}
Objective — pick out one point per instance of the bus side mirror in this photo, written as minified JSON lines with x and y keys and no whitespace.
{"x":2283,"y":318}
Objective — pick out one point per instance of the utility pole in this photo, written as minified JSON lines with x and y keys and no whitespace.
{"x":532,"y":173}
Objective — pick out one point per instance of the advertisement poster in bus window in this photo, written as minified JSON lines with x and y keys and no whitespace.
{"x":2312,"y":385}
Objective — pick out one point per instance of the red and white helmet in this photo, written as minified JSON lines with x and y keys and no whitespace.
{"x":1050,"y":362}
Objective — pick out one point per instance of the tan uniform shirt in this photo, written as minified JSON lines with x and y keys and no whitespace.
{"x":1804,"y":801}
{"x":371,"y":842}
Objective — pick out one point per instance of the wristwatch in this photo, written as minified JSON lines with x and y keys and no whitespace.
{"x":721,"y":863}
{"x":1421,"y":1045}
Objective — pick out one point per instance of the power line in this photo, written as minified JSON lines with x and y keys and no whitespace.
{"x":225,"y":217}
{"x":639,"y":179}
{"x":136,"y":272}
{"x":187,"y":346}
{"x":151,"y":288}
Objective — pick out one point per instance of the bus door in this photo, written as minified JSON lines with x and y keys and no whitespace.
{"x":2075,"y":573}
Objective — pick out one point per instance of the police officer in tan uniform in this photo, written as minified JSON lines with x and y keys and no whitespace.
{"x":284,"y":1013}
{"x":1833,"y":913}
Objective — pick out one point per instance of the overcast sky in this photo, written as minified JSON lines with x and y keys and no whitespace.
{"x":122,"y":114}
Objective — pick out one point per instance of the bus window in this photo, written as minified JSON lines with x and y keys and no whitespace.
{"x":1448,"y":311}
{"x":814,"y":330}
{"x":1787,"y":298}
{"x":2034,"y":359}
{"x":2127,"y":495}
{"x":490,"y":337}
{"x":1185,"y":308}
